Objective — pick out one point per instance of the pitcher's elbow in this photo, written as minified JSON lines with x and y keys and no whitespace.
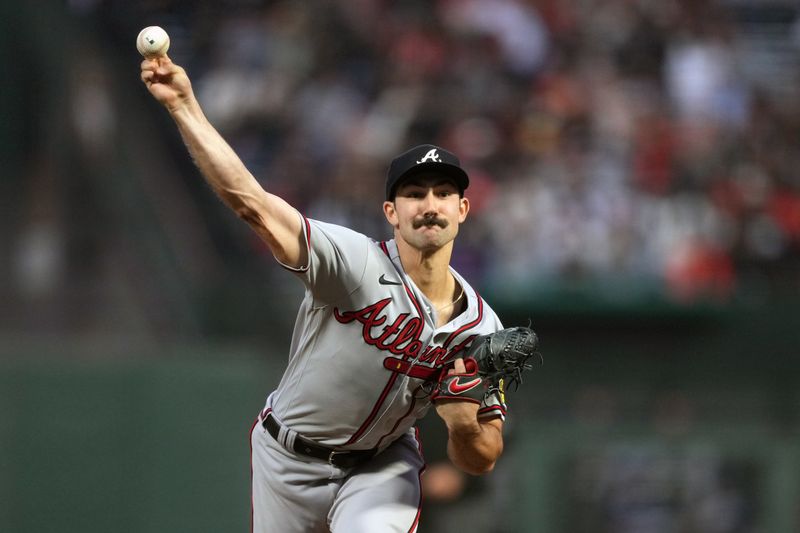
{"x":475,"y":465}
{"x":484,"y":469}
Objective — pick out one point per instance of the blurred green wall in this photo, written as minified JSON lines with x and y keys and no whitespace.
{"x":136,"y":445}
{"x":156,"y":440}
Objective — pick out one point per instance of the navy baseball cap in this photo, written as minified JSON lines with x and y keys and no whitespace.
{"x":425,"y":158}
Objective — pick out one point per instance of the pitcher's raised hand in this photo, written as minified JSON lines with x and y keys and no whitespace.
{"x":167,"y":82}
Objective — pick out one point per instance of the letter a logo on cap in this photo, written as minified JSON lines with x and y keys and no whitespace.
{"x":431,"y":156}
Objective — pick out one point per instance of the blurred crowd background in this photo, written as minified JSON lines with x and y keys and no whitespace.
{"x":628,"y":159}
{"x":648,"y":146}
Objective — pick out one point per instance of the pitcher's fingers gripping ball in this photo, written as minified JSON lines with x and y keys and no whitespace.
{"x":152,"y":42}
{"x":492,"y":362}
{"x":166,"y":81}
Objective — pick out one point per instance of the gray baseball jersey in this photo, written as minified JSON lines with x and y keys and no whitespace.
{"x":364,"y":346}
{"x":365,"y":341}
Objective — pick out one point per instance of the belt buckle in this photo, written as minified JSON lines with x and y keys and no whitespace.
{"x":333,"y":458}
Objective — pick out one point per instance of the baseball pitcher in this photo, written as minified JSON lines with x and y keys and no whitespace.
{"x":385,"y":330}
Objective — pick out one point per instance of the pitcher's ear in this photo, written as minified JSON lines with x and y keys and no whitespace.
{"x":463,"y":208}
{"x":390,"y":213}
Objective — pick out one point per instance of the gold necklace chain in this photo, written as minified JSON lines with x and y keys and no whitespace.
{"x":460,"y":295}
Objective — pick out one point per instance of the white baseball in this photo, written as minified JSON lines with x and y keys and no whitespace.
{"x":152,"y":42}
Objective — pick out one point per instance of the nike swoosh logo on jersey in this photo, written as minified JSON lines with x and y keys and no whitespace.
{"x":383,"y":281}
{"x":456,"y":387}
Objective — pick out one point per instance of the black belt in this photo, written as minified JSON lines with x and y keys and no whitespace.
{"x":303,"y":446}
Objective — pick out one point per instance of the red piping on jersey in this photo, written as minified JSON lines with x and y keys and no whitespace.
{"x":413,"y":300}
{"x":252,"y":503}
{"x":419,"y":442}
{"x":492,"y":409}
{"x":452,"y":336}
{"x":394,"y":428}
{"x":374,"y":411}
{"x":307,"y":225}
{"x":419,"y":480}
{"x":382,"y":397}
{"x":408,"y":290}
{"x":467,"y":326}
{"x":308,"y":233}
{"x":393,"y":377}
{"x":446,"y":344}
{"x":419,"y":505}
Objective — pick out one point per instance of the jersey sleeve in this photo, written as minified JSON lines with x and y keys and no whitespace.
{"x":337,"y":259}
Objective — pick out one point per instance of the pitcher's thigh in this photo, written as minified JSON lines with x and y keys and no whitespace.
{"x":289,"y":495}
{"x":382,"y":495}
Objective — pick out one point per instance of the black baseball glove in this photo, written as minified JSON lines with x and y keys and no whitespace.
{"x":493,"y":363}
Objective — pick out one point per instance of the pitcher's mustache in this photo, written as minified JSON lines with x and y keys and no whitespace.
{"x":430,"y":220}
